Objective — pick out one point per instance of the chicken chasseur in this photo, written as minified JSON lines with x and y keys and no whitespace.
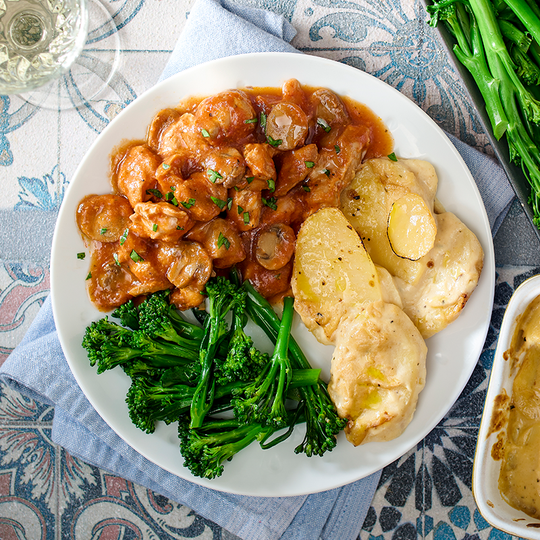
{"x":223,"y":181}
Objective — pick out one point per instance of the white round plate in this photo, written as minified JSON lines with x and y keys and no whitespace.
{"x":453,"y":353}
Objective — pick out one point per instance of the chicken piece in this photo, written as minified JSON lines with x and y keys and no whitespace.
{"x":295,"y":167}
{"x":197,"y":195}
{"x":286,"y":126}
{"x":188,"y":267}
{"x":103,"y":218}
{"x":226,"y":117}
{"x":136,"y":174}
{"x":161,"y":121}
{"x":246,"y":209}
{"x":287,"y":209}
{"x":378,"y":370}
{"x":138,"y":256}
{"x":160,"y":221}
{"x":109,"y":282}
{"x":184,"y":133}
{"x":452,"y":271}
{"x":260,"y":166}
{"x":220,"y":240}
{"x":337,"y":167}
{"x":224,"y":166}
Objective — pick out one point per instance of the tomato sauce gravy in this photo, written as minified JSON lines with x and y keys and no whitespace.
{"x":219,"y":182}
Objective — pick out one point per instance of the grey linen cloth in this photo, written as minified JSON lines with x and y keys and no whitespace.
{"x":38,"y":369}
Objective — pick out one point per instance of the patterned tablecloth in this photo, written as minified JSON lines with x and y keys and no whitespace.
{"x":47,"y":494}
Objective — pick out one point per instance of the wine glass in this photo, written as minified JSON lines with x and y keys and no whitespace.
{"x":45,"y":51}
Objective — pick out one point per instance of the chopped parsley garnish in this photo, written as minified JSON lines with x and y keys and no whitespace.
{"x":213,"y":176}
{"x":124,"y":237}
{"x":309,"y":164}
{"x":166,"y":166}
{"x":270,"y":202}
{"x":223,"y":241}
{"x":246,"y":217}
{"x":116,"y":259}
{"x":89,"y":276}
{"x":229,"y":203}
{"x":250,"y":179}
{"x":262,"y":120}
{"x":273,"y":142}
{"x":173,"y":188}
{"x":154,"y":227}
{"x":392,"y":157}
{"x":271,"y":185}
{"x":171,"y":198}
{"x":240,"y":209}
{"x":178,"y":228}
{"x":188,"y":204}
{"x":306,"y":188}
{"x":135,"y":257}
{"x":155,"y":192}
{"x":326,"y":171}
{"x":219,"y":202}
{"x":324,"y":124}
{"x":250,"y":121}
{"x":103,"y":231}
{"x":205,"y":133}
{"x":82,"y":254}
{"x":337,"y":149}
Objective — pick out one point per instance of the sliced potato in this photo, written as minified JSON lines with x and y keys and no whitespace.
{"x":332,"y":271}
{"x":365,"y":204}
{"x":411,"y":227}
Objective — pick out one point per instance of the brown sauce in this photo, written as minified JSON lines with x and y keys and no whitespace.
{"x":214,"y":176}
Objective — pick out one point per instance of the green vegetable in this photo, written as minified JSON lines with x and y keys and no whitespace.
{"x":499,"y":44}
{"x":183,"y":372}
{"x":322,"y":420}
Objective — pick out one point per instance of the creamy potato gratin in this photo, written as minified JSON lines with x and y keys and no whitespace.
{"x":297,"y":188}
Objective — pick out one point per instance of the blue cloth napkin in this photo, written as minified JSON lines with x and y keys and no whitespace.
{"x":38,"y":369}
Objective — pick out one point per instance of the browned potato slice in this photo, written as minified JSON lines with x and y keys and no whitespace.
{"x":332,"y":271}
{"x":411,"y":227}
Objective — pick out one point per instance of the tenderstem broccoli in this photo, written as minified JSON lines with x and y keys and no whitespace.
{"x":499,"y":43}
{"x":206,"y":449}
{"x":109,"y":345}
{"x":154,"y":397}
{"x":264,"y":399}
{"x":322,"y":420}
{"x":222,"y":296}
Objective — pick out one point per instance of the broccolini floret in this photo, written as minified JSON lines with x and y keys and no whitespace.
{"x":322,"y":420}
{"x":206,"y":448}
{"x":264,"y":399}
{"x":223,"y":296}
{"x":109,"y":345}
{"x":244,"y":361}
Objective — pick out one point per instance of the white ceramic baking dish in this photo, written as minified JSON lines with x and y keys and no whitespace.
{"x":486,"y":469}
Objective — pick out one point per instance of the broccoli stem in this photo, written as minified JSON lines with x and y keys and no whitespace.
{"x":322,"y":421}
{"x":527,"y":16}
{"x":475,"y":61}
{"x":495,"y":46}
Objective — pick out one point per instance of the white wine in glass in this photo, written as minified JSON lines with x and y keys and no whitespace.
{"x":42,"y":51}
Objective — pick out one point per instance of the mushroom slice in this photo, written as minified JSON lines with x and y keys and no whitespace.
{"x":411,"y":227}
{"x":275,"y":246}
